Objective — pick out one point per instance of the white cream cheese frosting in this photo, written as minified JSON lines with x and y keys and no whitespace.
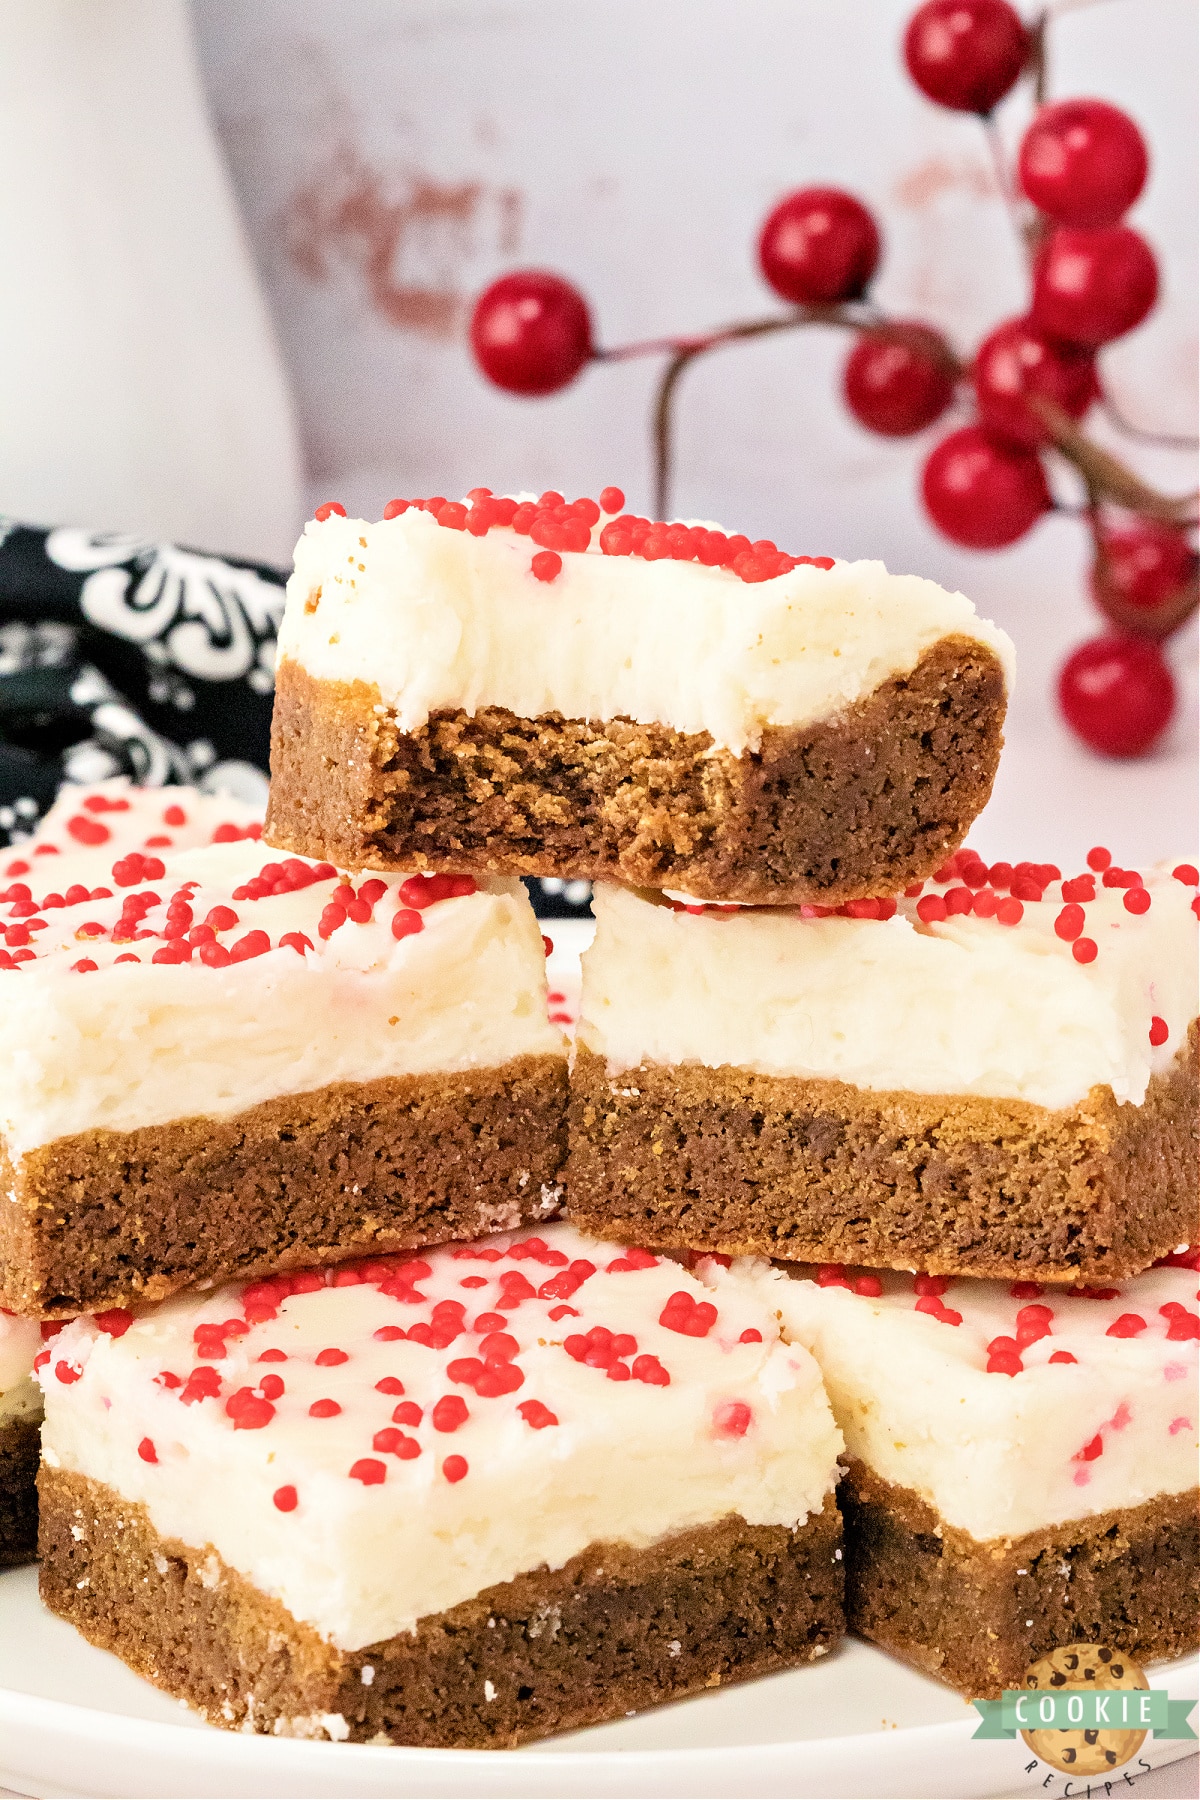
{"x":437,"y":618}
{"x":119,"y":1045}
{"x":104,"y":819}
{"x":371,"y":1454}
{"x":961,"y":1005}
{"x":999,"y":1454}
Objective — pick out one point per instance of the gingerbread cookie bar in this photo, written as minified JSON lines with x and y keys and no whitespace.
{"x":994,"y":1074}
{"x":661,"y":705}
{"x":1022,"y":1463}
{"x":462,"y":1499}
{"x":216,"y":1063}
{"x":20,"y":1430}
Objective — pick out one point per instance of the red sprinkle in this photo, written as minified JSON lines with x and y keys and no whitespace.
{"x":731,"y":1418}
{"x":686,"y":1315}
{"x":391,"y":1384}
{"x":1069,"y":923}
{"x":1127,"y":1326}
{"x":1090,"y":1451}
{"x":322,"y":513}
{"x":406,"y":922}
{"x":546,"y":566}
{"x":324,"y":1409}
{"x":1159,"y":1031}
{"x":146,"y":1450}
{"x":449,"y":1413}
{"x":286,"y":1498}
{"x":1063,"y":1356}
{"x":1188,"y":873}
{"x":1084,"y":950}
{"x":329,"y":1359}
{"x":115,"y":1322}
{"x":536,"y":1415}
{"x":1098,"y":858}
{"x":454,"y":1468}
{"x":369,"y":1471}
{"x":750,"y":1336}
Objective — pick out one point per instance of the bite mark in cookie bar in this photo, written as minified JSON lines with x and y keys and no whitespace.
{"x":256,"y":1062}
{"x":573,"y":1441}
{"x":930,"y":1087}
{"x":827,"y":732}
{"x":1022,"y":1462}
{"x":20,"y":1434}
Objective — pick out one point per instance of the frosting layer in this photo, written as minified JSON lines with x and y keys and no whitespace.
{"x":999,"y":1454}
{"x":441,"y":619}
{"x":131,"y":1041}
{"x":411,"y":1431}
{"x":961,"y":1005}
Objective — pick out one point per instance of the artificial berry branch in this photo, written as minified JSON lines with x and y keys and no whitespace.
{"x":1081,"y":165}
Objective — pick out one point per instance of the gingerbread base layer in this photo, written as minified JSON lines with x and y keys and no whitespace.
{"x":20,"y":1447}
{"x":687,"y":1157}
{"x":976,"y":1615}
{"x":119,"y":1218}
{"x":615,"y":1631}
{"x":862,"y":803}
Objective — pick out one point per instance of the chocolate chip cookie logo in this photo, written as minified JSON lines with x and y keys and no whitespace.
{"x":1098,"y":1749}
{"x":1085,"y":1710}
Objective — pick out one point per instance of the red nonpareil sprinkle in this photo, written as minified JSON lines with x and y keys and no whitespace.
{"x":324,"y":1409}
{"x":115,"y":1322}
{"x":202,"y":1384}
{"x":328,"y":509}
{"x":750,"y":1336}
{"x":629,"y":1260}
{"x":222,"y":918}
{"x":272,"y":1356}
{"x":937,"y":1309}
{"x":329,"y":1359}
{"x":1063,"y":1356}
{"x":1090,"y":1451}
{"x":1094,"y":1293}
{"x":390,"y":1384}
{"x":1179,"y":1259}
{"x":546,"y":565}
{"x":454,"y":1468}
{"x":1084,"y":950}
{"x":1137,"y":900}
{"x":547,"y":945}
{"x":930,"y":1284}
{"x":1127,"y":1326}
{"x":731,"y":1418}
{"x":1098,"y":858}
{"x":688,"y":1316}
{"x":1160,"y":1031}
{"x":286,"y":1498}
{"x":248,"y":1410}
{"x":175,"y":952}
{"x":1033,"y":1322}
{"x":87,"y":831}
{"x":612,"y":500}
{"x":1026,"y":1290}
{"x":1069,"y":923}
{"x":1004,"y":1357}
{"x":1011,"y":911}
{"x":536,"y":1415}
{"x":1182,"y":1325}
{"x":85,"y":966}
{"x":295,"y":940}
{"x":562,"y":1312}
{"x":67,"y":1373}
{"x":407,"y":1413}
{"x":369,"y":1471}
{"x":271,"y":1387}
{"x":931,"y":909}
{"x":449,"y":1413}
{"x":146,"y":1450}
{"x":1188,"y":873}
{"x":406,"y":922}
{"x":255,"y":943}
{"x":868,"y":1285}
{"x":394,"y":508}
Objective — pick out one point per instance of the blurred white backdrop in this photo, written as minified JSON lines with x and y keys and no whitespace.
{"x":390,"y":160}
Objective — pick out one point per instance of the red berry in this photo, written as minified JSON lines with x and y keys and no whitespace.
{"x":1083,"y":162}
{"x":965,"y":54}
{"x":982,"y":493}
{"x":899,"y":378}
{"x":531,"y":332}
{"x":1016,"y":362}
{"x":1118,"y":694}
{"x":818,"y":246}
{"x":1093,"y":285}
{"x":1145,"y":566}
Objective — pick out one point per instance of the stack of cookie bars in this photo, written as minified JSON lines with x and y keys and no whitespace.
{"x":872,"y":1304}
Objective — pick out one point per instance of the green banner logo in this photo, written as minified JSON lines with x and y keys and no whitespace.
{"x":1084,"y":1709}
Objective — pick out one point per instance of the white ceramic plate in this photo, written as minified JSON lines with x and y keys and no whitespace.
{"x":74,"y":1721}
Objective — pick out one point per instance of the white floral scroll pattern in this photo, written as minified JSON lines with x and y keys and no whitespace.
{"x":214,"y":620}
